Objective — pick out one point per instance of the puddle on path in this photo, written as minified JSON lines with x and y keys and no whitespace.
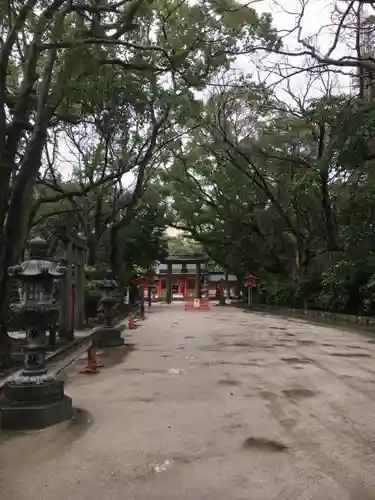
{"x":227,"y":381}
{"x":233,"y":363}
{"x":142,"y":400}
{"x":298,"y":393}
{"x":139,"y":371}
{"x":268,"y":395}
{"x":264,"y":444}
{"x":297,"y":360}
{"x":351,"y":354}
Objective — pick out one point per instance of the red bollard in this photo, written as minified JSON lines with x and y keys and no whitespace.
{"x":92,"y":362}
{"x":131,"y":322}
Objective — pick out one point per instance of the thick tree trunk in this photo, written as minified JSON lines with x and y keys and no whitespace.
{"x":5,"y":346}
{"x":329,"y":216}
{"x":114,"y":249}
{"x":15,"y":226}
{"x":91,"y":253}
{"x":5,"y":262}
{"x":221,"y":293}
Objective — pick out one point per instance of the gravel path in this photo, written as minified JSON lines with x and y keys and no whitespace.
{"x":219,"y":404}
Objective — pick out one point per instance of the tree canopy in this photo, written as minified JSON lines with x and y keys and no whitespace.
{"x":119,"y":118}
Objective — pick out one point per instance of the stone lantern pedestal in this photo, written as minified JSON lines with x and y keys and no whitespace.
{"x":108,"y":335}
{"x":34,"y":399}
{"x":35,"y":406}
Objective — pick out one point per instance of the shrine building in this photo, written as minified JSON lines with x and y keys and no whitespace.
{"x":179,"y":276}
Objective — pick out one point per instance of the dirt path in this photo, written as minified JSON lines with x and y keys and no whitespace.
{"x":210,"y":405}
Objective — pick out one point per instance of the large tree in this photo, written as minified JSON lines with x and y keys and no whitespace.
{"x":57,"y":60}
{"x":271,"y":187}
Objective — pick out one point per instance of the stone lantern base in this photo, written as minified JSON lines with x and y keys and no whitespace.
{"x":34,"y":406}
{"x":109,"y":336}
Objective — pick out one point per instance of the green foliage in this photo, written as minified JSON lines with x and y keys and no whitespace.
{"x":285,"y":193}
{"x":281,"y":293}
{"x":92,"y":290}
{"x":123,"y":108}
{"x":183,"y":245}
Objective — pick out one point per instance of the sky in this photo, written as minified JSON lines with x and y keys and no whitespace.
{"x":317,"y":14}
{"x":314,"y":23}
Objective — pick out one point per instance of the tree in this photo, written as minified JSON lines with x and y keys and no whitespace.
{"x":183,"y":245}
{"x":269,"y":187}
{"x":55,"y":61}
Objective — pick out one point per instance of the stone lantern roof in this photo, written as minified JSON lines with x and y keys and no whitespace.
{"x":38,"y":263}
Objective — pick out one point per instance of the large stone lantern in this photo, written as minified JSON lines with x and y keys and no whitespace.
{"x":108,"y":335}
{"x":35,"y":398}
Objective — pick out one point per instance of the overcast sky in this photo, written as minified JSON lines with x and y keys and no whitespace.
{"x":317,"y":14}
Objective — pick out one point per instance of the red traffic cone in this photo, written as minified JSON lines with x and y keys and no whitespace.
{"x":92,"y":362}
{"x":131,"y":322}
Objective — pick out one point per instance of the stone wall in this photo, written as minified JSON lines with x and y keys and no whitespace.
{"x":324,"y":316}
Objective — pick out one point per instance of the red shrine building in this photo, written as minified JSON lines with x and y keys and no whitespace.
{"x":183,"y":276}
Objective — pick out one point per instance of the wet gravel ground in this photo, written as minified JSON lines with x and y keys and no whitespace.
{"x":219,"y":404}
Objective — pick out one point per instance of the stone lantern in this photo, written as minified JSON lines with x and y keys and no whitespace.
{"x":108,"y":335}
{"x":204,"y":289}
{"x":35,"y":398}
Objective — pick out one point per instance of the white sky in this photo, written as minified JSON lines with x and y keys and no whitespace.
{"x":317,"y":14}
{"x":317,"y":17}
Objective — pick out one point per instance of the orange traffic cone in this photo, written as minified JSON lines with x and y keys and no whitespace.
{"x":131,"y":322}
{"x":98,"y":364}
{"x":92,"y":362}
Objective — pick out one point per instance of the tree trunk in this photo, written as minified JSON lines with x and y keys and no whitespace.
{"x":114,"y":248}
{"x":221,"y":293}
{"x":329,"y":216}
{"x":91,"y":253}
{"x":15,"y":227}
{"x":5,"y":346}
